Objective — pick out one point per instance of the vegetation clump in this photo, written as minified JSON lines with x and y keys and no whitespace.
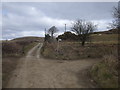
{"x":105,"y":73}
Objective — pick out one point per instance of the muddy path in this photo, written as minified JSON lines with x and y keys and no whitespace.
{"x":33,"y":71}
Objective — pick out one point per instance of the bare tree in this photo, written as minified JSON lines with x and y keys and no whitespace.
{"x":52,"y":31}
{"x":116,"y":15}
{"x":83,"y":29}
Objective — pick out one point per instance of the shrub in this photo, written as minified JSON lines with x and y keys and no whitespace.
{"x":49,"y":50}
{"x":68,"y":36}
{"x":105,"y":73}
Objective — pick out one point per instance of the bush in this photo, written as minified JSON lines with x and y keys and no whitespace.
{"x":16,"y":48}
{"x":49,"y":50}
{"x":105,"y":73}
{"x":68,"y":36}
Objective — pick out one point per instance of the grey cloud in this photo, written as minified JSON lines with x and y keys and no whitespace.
{"x":20,"y":19}
{"x":74,"y":10}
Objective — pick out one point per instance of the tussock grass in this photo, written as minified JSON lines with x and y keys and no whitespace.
{"x":16,"y":48}
{"x":74,"y":50}
{"x":11,"y":49}
{"x":105,"y":73}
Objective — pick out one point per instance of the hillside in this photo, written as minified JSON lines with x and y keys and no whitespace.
{"x":19,"y":46}
{"x":31,"y":38}
{"x":111,"y":31}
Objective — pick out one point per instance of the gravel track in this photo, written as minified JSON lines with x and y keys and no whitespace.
{"x":33,"y":71}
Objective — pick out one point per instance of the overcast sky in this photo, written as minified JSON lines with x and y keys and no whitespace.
{"x":30,"y":19}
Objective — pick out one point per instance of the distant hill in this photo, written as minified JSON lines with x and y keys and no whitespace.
{"x":111,"y":31}
{"x":30,"y":39}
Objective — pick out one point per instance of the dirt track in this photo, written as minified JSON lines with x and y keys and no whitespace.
{"x":35,"y":72}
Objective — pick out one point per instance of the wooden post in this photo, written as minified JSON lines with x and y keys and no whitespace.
{"x":65,"y":27}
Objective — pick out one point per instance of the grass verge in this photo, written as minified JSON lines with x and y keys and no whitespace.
{"x":73,"y":50}
{"x":28,"y":47}
{"x":105,"y":73}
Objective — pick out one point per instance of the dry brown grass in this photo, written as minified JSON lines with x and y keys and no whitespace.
{"x":11,"y":48}
{"x":74,"y":50}
{"x":16,"y":47}
{"x":105,"y":73}
{"x":29,"y":39}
